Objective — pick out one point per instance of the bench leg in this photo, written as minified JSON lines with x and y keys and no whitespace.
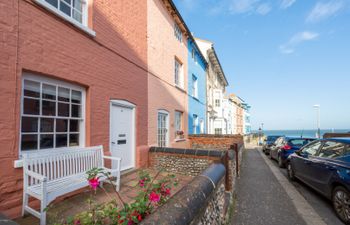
{"x":118,"y":181}
{"x":43,"y":212}
{"x":25,"y":202}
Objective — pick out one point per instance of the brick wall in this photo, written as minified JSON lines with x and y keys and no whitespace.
{"x":208,"y":141}
{"x":112,"y":65}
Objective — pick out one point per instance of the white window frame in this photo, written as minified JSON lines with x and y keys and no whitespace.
{"x":178,"y":74}
{"x":85,"y":8}
{"x":177,"y":32}
{"x":194,"y":86}
{"x":178,"y":115}
{"x":53,"y":82}
{"x":201,"y":126}
{"x":195,"y":123}
{"x":162,"y":111}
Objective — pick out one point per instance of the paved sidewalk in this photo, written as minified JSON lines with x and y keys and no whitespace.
{"x":260,"y":197}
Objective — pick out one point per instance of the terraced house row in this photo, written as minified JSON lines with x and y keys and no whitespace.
{"x":124,"y":74}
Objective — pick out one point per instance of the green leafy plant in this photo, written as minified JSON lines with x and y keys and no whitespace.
{"x":153,"y":193}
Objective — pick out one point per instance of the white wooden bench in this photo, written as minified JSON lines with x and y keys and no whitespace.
{"x":49,"y":174}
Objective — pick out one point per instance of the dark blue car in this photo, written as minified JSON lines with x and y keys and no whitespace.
{"x":284,"y":146}
{"x":324,"y":165}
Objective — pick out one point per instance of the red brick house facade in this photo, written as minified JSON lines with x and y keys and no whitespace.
{"x":62,"y":65}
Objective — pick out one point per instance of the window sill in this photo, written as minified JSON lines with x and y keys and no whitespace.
{"x":65,"y":17}
{"x":180,"y":140}
{"x":195,"y":98}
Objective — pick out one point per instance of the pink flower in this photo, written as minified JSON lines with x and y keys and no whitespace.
{"x":77,"y":222}
{"x":154,"y":197}
{"x":142,"y":183}
{"x":94,"y":183}
{"x":167,"y":191}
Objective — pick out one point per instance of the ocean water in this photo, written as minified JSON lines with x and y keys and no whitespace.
{"x":305,"y":133}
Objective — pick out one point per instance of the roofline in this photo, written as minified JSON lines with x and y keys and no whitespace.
{"x":187,"y":30}
{"x":223,"y":73}
{"x":203,"y":40}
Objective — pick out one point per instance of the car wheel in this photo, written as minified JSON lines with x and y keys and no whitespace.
{"x":290,"y":172}
{"x":280,"y":162}
{"x":341,"y":203}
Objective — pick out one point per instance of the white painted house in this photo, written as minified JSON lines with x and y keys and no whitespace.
{"x":216,"y":88}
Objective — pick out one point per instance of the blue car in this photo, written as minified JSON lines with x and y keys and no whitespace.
{"x":324,"y":165}
{"x":284,"y":146}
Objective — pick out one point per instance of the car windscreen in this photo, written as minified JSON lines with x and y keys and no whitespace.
{"x":272,"y":138}
{"x":299,"y":142}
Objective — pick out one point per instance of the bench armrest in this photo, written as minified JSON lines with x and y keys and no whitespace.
{"x":112,"y":158}
{"x":36,"y":175}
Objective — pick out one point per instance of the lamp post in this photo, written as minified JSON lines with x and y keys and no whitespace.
{"x":317,"y":107}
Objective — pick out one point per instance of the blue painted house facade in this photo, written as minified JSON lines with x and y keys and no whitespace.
{"x":197,"y":66}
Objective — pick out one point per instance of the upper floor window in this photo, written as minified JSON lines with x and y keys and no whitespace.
{"x":52,"y":114}
{"x":177,"y":32}
{"x":75,"y":9}
{"x":194,"y":56}
{"x":217,"y":102}
{"x":194,"y":86}
{"x":179,"y":80}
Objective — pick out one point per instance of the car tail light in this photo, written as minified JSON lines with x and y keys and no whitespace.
{"x":287,"y":147}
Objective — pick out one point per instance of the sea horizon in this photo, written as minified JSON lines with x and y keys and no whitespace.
{"x":302,"y":132}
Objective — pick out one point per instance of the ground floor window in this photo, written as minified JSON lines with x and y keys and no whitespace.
{"x":178,"y":124}
{"x":52,"y":114}
{"x":195,"y":123}
{"x":162,"y":133}
{"x":218,"y":130}
{"x":201,"y":126}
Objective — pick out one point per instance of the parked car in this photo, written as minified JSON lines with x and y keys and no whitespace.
{"x":269,"y":142}
{"x":284,"y":146}
{"x":324,"y":165}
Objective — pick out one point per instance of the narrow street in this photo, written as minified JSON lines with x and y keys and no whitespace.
{"x":262,"y":199}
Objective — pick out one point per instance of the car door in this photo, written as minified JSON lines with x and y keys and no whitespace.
{"x":324,"y":165}
{"x":274,"y":148}
{"x":302,"y":161}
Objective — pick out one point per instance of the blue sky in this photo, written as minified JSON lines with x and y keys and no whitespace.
{"x":281,"y":56}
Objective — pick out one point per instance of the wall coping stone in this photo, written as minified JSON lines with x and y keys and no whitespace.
{"x":195,"y":152}
{"x":185,"y":205}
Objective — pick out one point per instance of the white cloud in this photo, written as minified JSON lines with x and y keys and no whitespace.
{"x":322,"y":11}
{"x":249,"y":6}
{"x":242,"y":6}
{"x":287,"y":3}
{"x":295,"y":40}
{"x":263,"y":9}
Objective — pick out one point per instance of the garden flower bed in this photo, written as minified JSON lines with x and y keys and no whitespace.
{"x":59,"y":212}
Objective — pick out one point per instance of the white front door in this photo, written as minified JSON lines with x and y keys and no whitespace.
{"x":122,"y":134}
